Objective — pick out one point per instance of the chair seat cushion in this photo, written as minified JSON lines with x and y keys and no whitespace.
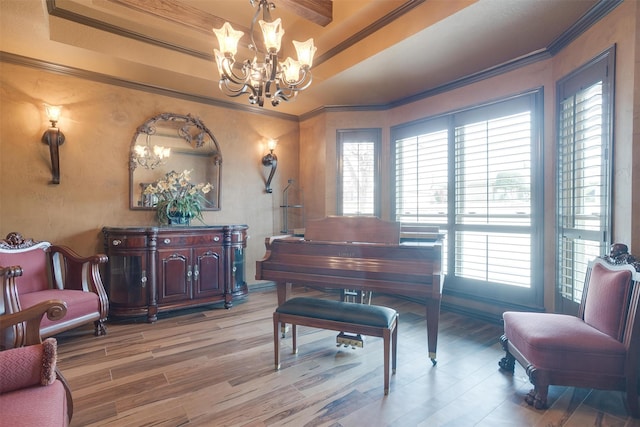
{"x":563,"y":342}
{"x":35,"y":406}
{"x":361,"y":314}
{"x":80,"y":305}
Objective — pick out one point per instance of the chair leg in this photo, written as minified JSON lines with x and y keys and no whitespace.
{"x":100,"y":328}
{"x":507,"y":363}
{"x":537,"y":397}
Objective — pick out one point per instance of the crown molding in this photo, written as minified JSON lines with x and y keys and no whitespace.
{"x":11,"y":58}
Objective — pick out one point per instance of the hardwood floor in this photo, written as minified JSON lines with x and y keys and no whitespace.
{"x":214,"y":367}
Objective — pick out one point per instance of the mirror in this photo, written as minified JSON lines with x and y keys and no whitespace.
{"x":173,"y":142}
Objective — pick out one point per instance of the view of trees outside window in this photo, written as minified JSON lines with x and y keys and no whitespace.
{"x":358,"y":180}
{"x":358,"y":167}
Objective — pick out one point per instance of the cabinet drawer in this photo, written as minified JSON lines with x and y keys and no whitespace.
{"x":123,"y":241}
{"x":180,"y":240}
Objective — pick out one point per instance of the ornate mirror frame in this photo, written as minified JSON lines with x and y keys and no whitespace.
{"x":193,"y":147}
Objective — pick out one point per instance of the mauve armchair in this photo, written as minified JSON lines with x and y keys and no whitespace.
{"x":596,"y":349}
{"x":39,"y":271}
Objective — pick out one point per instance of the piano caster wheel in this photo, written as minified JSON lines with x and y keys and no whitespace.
{"x":433,"y":362}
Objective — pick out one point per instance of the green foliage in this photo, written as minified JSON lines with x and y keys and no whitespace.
{"x":177,"y":196}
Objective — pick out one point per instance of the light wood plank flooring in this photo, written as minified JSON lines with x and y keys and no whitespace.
{"x":214,"y":367}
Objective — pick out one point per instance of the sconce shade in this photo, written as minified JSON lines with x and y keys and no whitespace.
{"x":53,"y":113}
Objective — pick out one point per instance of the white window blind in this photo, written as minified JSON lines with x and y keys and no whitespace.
{"x":422,"y":178}
{"x":583,"y":187}
{"x":493,"y":199}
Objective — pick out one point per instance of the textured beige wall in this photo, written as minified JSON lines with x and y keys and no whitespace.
{"x":99,"y":121}
{"x":620,"y":28}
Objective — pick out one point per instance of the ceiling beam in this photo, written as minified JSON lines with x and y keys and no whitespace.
{"x":317,"y":11}
{"x":179,"y":12}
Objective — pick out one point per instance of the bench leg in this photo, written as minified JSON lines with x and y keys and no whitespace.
{"x":386,"y":337}
{"x":276,"y":340}
{"x":294,"y":338}
{"x":394,"y":344}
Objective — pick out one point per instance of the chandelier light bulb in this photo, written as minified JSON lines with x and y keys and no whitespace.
{"x":272,"y":33}
{"x":305,"y":51}
{"x":291,"y":69}
{"x":228,"y":39}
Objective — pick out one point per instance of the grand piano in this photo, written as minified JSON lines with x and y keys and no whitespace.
{"x":362,"y":254}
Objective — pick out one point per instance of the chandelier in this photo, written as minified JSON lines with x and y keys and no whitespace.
{"x":278,"y":81}
{"x":148,"y":157}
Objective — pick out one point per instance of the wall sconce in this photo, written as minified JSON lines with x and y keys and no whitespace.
{"x":54,"y":138}
{"x":270,"y":160}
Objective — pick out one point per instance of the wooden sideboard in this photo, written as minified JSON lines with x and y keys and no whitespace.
{"x":154,"y":269}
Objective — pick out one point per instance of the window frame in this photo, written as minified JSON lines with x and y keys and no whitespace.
{"x":485,"y":290}
{"x":599,"y":69}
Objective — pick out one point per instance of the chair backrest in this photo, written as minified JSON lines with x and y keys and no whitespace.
{"x":33,"y":258}
{"x":607,"y":296}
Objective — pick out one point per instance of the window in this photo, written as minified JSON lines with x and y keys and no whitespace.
{"x":358,"y":172}
{"x":477,"y":173}
{"x":493,"y":199}
{"x":584,"y":101}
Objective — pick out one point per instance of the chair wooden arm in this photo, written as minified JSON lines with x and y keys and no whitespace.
{"x":80,"y":273}
{"x":72,"y":256}
{"x":55,"y":310}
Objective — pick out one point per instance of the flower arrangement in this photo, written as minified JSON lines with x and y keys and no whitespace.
{"x":178,"y":197}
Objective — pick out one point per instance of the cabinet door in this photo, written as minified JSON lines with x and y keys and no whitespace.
{"x":238,"y":283}
{"x":127,"y":281}
{"x":208,"y":272}
{"x":174,"y":275}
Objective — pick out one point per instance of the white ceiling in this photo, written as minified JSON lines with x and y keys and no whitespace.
{"x":387,"y":55}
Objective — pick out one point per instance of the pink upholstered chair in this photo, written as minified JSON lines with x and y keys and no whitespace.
{"x":597,"y":349}
{"x":39,"y":271}
{"x":33,"y":392}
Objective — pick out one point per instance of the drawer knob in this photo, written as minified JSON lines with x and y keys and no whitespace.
{"x":216,"y":238}
{"x":116,"y":242}
{"x":167,"y":241}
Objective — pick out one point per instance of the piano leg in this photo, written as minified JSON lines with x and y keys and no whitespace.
{"x":433,"y":315}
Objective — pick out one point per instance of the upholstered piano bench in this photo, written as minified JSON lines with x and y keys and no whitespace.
{"x":372,"y":320}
